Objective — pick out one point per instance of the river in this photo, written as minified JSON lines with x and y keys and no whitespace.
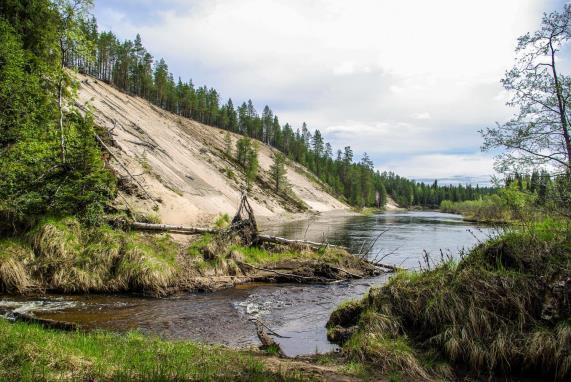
{"x":295,"y":311}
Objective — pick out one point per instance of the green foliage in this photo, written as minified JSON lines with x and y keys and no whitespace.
{"x":278,"y":172}
{"x":34,"y":181}
{"x":538,"y":135}
{"x":195,"y":248}
{"x":32,"y":353}
{"x":524,"y":198}
{"x":247,"y":157}
{"x":488,"y":209}
{"x":228,"y":144}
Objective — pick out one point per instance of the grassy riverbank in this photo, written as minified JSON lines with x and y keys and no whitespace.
{"x":491,"y":209}
{"x":502,"y":309}
{"x":64,"y":256}
{"x":31,"y":353}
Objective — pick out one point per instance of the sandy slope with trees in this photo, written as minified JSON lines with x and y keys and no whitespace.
{"x":179,"y":167}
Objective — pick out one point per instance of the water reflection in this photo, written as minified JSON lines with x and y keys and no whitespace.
{"x":406,"y":234}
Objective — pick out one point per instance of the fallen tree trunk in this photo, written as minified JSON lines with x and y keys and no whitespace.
{"x":345,"y":271}
{"x":283,"y":274}
{"x":195,"y":230}
{"x":172,"y":228}
{"x":124,"y":168}
{"x":283,"y":240}
{"x":391,"y":268}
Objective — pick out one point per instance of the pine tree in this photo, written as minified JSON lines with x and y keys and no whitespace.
{"x":278,"y":172}
{"x":228,"y":144}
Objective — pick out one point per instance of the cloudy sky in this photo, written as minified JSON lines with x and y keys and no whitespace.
{"x":409,"y":82}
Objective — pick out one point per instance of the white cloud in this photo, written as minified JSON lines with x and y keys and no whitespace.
{"x":422,"y":116}
{"x":401,"y":77}
{"x":440,"y":166}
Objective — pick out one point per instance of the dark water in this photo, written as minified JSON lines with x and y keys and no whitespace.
{"x":292,"y":310}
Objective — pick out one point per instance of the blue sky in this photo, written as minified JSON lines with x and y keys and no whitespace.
{"x":410,"y":82}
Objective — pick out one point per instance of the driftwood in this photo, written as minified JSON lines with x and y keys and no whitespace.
{"x":345,"y":271}
{"x":289,"y":275}
{"x":282,"y":240}
{"x":245,"y":208}
{"x":391,"y":268}
{"x":172,"y":228}
{"x":268,"y":342}
{"x":45,"y":322}
{"x":270,"y":330}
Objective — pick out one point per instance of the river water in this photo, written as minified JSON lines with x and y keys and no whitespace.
{"x":295,"y":311}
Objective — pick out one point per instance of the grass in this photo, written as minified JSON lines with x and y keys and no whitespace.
{"x":14,"y":274}
{"x":210,"y":248}
{"x":31,"y":353}
{"x":214,"y":255}
{"x":153,"y":218}
{"x":501,"y":310}
{"x":222,"y":221}
{"x":262,"y":256}
{"x":59,"y":254}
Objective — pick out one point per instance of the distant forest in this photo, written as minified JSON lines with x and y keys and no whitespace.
{"x":131,"y":68}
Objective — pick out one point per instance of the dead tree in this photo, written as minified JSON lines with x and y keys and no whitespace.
{"x":244,"y":222}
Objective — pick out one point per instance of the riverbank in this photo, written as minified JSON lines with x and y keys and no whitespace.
{"x":503,"y":309}
{"x":31,"y":352}
{"x":60,"y":255}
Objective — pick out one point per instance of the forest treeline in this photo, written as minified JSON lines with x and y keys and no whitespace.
{"x":130,"y":67}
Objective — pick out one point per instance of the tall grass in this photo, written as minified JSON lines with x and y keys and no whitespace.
{"x":14,"y":273}
{"x":503,"y":309}
{"x":60,"y":254}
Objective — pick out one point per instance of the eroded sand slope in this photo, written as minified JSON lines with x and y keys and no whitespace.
{"x":181,"y":165}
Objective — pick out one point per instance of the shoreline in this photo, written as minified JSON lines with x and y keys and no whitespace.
{"x":63,"y":257}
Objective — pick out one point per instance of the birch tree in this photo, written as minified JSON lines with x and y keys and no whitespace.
{"x":538,"y":134}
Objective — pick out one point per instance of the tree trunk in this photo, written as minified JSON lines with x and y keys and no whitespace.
{"x":561,"y":106}
{"x":281,"y":240}
{"x":172,"y":228}
{"x":60,"y":102}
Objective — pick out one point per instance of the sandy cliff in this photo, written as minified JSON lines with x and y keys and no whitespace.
{"x":179,"y":167}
